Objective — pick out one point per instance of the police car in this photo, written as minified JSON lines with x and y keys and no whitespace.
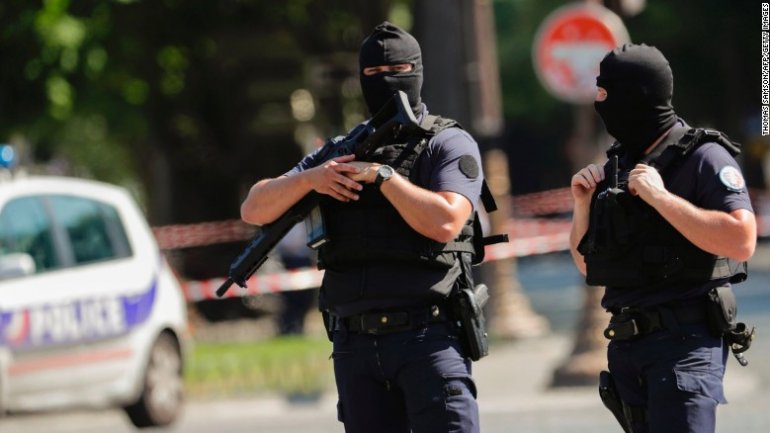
{"x":90,"y":312}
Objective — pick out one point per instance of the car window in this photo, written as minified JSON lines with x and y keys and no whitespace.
{"x":62,"y":231}
{"x":25,"y":227}
{"x":93,"y":228}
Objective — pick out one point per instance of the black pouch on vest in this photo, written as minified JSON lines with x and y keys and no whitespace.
{"x":467,"y":307}
{"x":722,"y":310}
{"x":478,"y":240}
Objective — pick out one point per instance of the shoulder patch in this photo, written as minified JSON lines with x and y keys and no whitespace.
{"x":732,"y":178}
{"x":469,"y":167}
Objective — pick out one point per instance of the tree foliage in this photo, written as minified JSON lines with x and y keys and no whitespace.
{"x":187,"y":98}
{"x":186,"y":102}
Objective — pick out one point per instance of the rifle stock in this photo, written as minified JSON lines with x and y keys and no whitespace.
{"x":393,"y":118}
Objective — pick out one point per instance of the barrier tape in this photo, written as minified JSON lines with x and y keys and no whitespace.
{"x":297,"y":279}
{"x":197,"y":235}
{"x":179,"y":236}
{"x":529,"y":236}
{"x":554,"y":201}
{"x":308,"y":278}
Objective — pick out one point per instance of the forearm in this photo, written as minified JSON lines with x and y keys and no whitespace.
{"x":724,"y":234}
{"x":580,"y":220}
{"x":268,"y":199}
{"x":429,"y":213}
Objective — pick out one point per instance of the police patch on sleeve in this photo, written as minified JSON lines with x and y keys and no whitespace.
{"x":732,"y":178}
{"x":469,"y":167}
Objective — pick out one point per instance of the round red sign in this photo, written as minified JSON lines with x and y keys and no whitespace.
{"x":569,"y":46}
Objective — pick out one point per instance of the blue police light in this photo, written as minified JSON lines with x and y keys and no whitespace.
{"x":7,"y":156}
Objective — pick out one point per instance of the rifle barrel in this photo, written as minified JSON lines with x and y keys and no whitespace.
{"x":223,"y":288}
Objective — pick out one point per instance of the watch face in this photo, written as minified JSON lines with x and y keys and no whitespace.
{"x":383,"y":173}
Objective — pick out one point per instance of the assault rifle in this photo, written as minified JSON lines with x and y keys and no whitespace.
{"x":394,"y":118}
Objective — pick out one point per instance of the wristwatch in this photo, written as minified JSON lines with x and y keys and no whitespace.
{"x":384,"y":173}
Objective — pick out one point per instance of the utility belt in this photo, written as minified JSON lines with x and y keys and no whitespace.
{"x":463,"y":310}
{"x":631,"y":322}
{"x":718,"y":310}
{"x":388,"y":322}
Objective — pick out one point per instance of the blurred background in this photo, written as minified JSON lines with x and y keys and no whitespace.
{"x":188,"y":103}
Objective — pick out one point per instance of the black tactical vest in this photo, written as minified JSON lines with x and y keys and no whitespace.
{"x":628,"y":244}
{"x":370,"y":229}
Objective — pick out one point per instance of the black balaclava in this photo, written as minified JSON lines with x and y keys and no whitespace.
{"x":389,"y":45}
{"x":639,"y":85}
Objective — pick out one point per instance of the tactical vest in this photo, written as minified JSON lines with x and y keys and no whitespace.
{"x":628,"y":244}
{"x":371,"y":229}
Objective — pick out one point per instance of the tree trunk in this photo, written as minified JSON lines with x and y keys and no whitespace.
{"x":589,"y":351}
{"x":462,"y":82}
{"x":588,"y":355}
{"x":510,"y":313}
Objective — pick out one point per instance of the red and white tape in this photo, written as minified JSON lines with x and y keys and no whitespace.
{"x":529,"y":236}
{"x":549,"y":202}
{"x":178,"y":236}
{"x":298,"y":279}
{"x":308,"y":278}
{"x":555,"y":201}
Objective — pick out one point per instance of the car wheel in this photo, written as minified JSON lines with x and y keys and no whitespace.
{"x":162,"y":394}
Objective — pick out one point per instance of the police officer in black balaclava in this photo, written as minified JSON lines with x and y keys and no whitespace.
{"x":666,"y":242}
{"x":400,"y":229}
{"x":638,"y":85}
{"x":390,"y":60}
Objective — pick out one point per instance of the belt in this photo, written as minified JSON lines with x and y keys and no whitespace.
{"x":385,"y":322}
{"x":630,"y":322}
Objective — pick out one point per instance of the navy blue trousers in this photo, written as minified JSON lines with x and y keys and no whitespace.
{"x":675,"y":374}
{"x":413,"y":381}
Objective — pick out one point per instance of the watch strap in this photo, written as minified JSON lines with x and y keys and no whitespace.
{"x":379,"y":178}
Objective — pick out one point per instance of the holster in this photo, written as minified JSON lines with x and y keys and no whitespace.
{"x":723,"y":310}
{"x":467,"y":309}
{"x":609,"y":395}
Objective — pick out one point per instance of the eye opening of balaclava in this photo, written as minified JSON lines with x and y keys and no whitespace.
{"x":390,"y":45}
{"x":640,"y":86}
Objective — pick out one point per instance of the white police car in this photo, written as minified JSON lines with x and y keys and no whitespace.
{"x":90,"y":312}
